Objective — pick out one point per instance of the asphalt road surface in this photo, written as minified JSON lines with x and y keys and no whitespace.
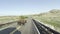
{"x":28,"y":28}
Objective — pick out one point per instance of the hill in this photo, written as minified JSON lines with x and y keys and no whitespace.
{"x":51,"y":18}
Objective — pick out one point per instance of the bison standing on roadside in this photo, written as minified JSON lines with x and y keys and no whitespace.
{"x":22,"y":20}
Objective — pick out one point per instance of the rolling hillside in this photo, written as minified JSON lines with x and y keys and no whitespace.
{"x":51,"y":18}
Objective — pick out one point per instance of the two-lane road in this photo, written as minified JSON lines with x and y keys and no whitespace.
{"x":28,"y":28}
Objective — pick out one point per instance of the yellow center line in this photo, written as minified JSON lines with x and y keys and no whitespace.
{"x":15,"y":29}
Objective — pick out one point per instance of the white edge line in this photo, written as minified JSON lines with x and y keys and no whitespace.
{"x":36,"y":28}
{"x":15,"y":29}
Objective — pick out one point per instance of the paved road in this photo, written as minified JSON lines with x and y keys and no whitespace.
{"x":28,"y":28}
{"x":7,"y":31}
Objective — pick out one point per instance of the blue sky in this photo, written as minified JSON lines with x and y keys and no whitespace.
{"x":26,"y":7}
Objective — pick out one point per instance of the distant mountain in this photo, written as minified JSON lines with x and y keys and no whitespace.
{"x":54,"y":11}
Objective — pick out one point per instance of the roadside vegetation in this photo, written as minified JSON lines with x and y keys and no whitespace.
{"x":5,"y":19}
{"x":52,"y":18}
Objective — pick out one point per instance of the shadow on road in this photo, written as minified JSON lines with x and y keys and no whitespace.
{"x":9,"y":30}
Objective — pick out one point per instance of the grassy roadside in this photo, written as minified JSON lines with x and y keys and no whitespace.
{"x":5,"y":19}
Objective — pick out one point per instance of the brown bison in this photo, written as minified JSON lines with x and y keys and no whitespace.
{"x":22,"y":20}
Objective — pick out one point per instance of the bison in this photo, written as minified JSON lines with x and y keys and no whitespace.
{"x":22,"y":20}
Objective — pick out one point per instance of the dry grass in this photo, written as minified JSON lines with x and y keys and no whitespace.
{"x":52,"y":18}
